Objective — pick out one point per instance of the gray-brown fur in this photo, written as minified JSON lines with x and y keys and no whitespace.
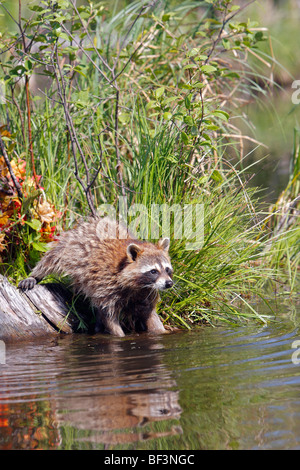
{"x":110,"y":267}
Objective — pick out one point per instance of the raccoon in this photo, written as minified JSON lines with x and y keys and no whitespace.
{"x":117,"y":272}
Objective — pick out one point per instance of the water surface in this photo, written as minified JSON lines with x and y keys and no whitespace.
{"x":212,"y":388}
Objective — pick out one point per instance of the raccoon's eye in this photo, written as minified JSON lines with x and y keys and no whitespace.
{"x":154,"y":271}
{"x":169,"y":271}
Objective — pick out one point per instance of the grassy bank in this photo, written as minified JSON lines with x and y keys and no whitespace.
{"x":141,"y":103}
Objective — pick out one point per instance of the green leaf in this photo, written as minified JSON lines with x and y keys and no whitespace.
{"x":166,"y":17}
{"x":234,"y":8}
{"x":208,"y":68}
{"x":193,"y":52}
{"x":185,"y":86}
{"x":78,"y":70}
{"x":159,"y":92}
{"x":198,"y":85}
{"x":188,"y":120}
{"x":151,"y":104}
{"x":190,"y":66}
{"x":124,"y":117}
{"x":231,"y":75}
{"x":221,"y":114}
{"x":226,"y":43}
{"x":167,"y":116}
{"x":63,"y":35}
{"x":216,"y":176}
{"x":259,"y":36}
{"x":194,"y":130}
{"x":184,"y":138}
{"x":187,"y":102}
{"x":212,"y":127}
{"x":169,"y":100}
{"x":29,"y":200}
{"x":18,"y":70}
{"x":35,"y":224}
{"x":40,"y":246}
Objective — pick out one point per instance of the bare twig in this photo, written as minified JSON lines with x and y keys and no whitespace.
{"x":29,"y":129}
{"x":90,"y":39}
{"x":87,"y":55}
{"x":73,"y":136}
{"x":224,"y":23}
{"x":196,"y":140}
{"x":11,"y":172}
{"x":19,"y":23}
{"x":142,"y":10}
{"x":19,"y":112}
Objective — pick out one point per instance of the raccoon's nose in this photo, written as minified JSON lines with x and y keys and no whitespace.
{"x":169,"y":284}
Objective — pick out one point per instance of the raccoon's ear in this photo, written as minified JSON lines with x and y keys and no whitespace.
{"x":133,"y":251}
{"x":164,"y":244}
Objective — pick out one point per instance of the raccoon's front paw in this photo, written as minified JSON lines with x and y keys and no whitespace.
{"x":28,"y":283}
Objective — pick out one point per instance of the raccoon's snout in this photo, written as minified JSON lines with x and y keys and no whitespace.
{"x":168,"y":284}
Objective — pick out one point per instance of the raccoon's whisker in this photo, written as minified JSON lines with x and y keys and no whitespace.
{"x":177,"y":292}
{"x":152,"y":290}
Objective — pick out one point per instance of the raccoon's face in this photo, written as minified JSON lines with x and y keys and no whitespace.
{"x":157,"y":275}
{"x":151,"y":266}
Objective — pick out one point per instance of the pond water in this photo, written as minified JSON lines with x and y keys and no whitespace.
{"x":212,"y":388}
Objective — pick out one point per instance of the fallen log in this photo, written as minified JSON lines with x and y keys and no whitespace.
{"x":46,"y":309}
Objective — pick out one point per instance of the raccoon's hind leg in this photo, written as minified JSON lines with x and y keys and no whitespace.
{"x":105,"y":322}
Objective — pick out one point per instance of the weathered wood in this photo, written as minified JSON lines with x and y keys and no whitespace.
{"x":52,"y":301}
{"x":43,"y":310}
{"x":17,"y":319}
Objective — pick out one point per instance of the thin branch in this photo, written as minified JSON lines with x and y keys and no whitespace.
{"x":27,"y":101}
{"x":89,"y":37}
{"x":144,"y":7}
{"x":19,"y":111}
{"x":87,"y":55}
{"x":73,"y":136}
{"x":124,"y":67}
{"x":224,"y":22}
{"x":97,"y":171}
{"x":11,"y":172}
{"x":29,"y":129}
{"x":196,"y":140}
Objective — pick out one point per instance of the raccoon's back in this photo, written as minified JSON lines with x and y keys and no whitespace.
{"x":91,"y":254}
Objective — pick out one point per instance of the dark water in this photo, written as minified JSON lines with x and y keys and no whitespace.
{"x":215,"y":388}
